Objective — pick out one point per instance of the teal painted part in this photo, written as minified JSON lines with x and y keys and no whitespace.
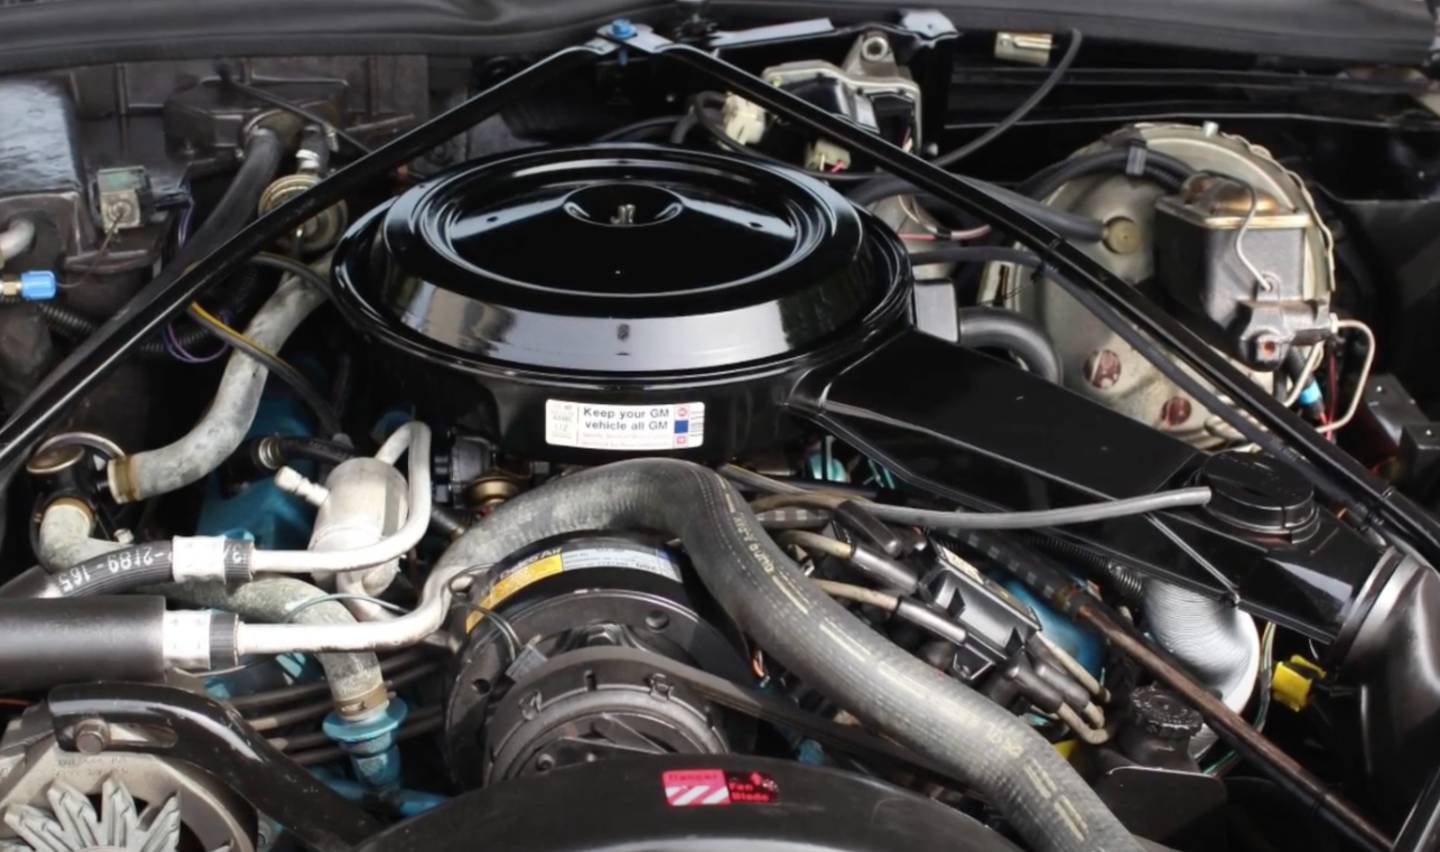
{"x":403,"y":800}
{"x":811,"y":753}
{"x":260,"y":512}
{"x":1085,"y":646}
{"x":262,"y":675}
{"x":389,"y":422}
{"x":370,"y":742}
{"x":836,"y":473}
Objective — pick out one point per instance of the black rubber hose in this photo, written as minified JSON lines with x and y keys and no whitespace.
{"x":983,"y":328}
{"x":1169,"y":172}
{"x":134,"y":567}
{"x":227,"y":78}
{"x":644,"y":128}
{"x":974,"y":254}
{"x":1066,"y":224}
{"x":1024,"y":109}
{"x":264,"y":151}
{"x":291,"y":447}
{"x":72,"y":324}
{"x":72,"y":641}
{"x":821,"y":642}
{"x":1125,"y":583}
{"x":682,"y":128}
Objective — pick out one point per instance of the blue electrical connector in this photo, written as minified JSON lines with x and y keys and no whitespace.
{"x":37,"y":285}
{"x":1310,"y":395}
{"x":621,"y":28}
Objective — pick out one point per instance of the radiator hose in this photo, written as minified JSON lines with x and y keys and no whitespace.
{"x":981,"y":744}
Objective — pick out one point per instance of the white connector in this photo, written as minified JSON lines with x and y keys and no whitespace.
{"x":742,"y":120}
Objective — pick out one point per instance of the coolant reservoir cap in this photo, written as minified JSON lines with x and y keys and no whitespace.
{"x":1164,"y":715}
{"x":1257,"y":493}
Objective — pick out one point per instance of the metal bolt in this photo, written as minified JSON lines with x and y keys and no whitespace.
{"x":1267,"y":347}
{"x":530,"y":705}
{"x":624,"y":215}
{"x":92,"y":736}
{"x":1209,"y":129}
{"x":1175,"y":411}
{"x":1103,"y":368}
{"x":660,"y":686}
{"x":875,"y":48}
{"x":118,"y":211}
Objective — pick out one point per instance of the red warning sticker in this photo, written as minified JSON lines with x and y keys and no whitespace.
{"x":690,"y":788}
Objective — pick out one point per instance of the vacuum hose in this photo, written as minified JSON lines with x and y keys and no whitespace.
{"x":983,"y":327}
{"x":820,"y":641}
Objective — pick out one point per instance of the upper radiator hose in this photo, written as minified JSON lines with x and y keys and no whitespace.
{"x":824,"y":644}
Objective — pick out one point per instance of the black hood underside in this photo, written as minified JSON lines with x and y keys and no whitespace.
{"x":81,"y":32}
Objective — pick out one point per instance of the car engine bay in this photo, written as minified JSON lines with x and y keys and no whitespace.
{"x":715,"y":430}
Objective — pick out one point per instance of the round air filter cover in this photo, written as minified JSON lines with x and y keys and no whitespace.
{"x":584,"y":303}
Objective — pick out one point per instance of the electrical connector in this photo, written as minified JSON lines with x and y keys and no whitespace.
{"x":825,"y":156}
{"x":742,"y":120}
{"x":38,"y":285}
{"x":1293,"y":682}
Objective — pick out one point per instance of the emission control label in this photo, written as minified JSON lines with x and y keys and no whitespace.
{"x":678,"y":426}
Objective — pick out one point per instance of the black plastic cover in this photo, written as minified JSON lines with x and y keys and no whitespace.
{"x":671,"y":282}
{"x":1257,"y":493}
{"x":630,"y":805}
{"x":87,"y":32}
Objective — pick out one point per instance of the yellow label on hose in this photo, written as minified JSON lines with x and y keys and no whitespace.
{"x":547,"y":566}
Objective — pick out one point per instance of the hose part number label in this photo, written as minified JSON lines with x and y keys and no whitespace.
{"x":698,"y":788}
{"x":72,"y":580}
{"x":627,"y":428}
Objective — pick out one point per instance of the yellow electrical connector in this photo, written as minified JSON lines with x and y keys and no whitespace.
{"x":1293,"y":680}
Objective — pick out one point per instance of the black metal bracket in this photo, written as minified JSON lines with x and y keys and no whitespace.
{"x":179,"y":725}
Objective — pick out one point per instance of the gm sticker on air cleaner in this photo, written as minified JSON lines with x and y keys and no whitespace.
{"x":625,"y":428}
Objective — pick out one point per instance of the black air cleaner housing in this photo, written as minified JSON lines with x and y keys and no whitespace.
{"x":580,"y":304}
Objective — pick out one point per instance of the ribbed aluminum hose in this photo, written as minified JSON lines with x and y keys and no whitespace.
{"x":1216,"y":641}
